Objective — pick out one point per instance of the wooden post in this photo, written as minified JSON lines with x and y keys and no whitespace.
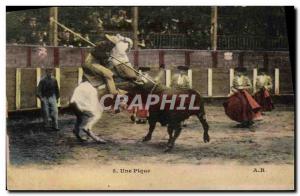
{"x":56,"y":56}
{"x":254,"y":79}
{"x":214,"y":27}
{"x":136,"y":58}
{"x":18,"y":88}
{"x":38,"y":78}
{"x":29,"y":56}
{"x":168,"y":78}
{"x":135,"y":27}
{"x":266,"y":61}
{"x":57,"y":76}
{"x":53,"y":26}
{"x":231,"y":76}
{"x":187,"y":60}
{"x":80,"y":73}
{"x":161,"y":57}
{"x":241,"y":59}
{"x":209,"y":82}
{"x":276,"y":81}
{"x":190,"y":75}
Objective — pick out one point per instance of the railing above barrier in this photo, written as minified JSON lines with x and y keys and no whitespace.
{"x":30,"y":56}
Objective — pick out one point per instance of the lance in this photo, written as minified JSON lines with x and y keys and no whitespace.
{"x":91,"y":43}
{"x":76,"y":34}
{"x":121,"y":62}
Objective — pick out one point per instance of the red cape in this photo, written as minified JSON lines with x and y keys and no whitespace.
{"x":264,"y":99}
{"x":242,"y":107}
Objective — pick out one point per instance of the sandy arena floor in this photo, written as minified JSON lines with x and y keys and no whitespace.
{"x":231,"y":152}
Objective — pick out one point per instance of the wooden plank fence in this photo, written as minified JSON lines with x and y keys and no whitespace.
{"x":210,"y":82}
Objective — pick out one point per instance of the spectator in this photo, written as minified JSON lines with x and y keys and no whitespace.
{"x":48,"y":93}
{"x":66,"y":39}
{"x":31,"y":33}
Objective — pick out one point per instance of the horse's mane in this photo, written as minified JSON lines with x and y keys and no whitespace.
{"x":102,"y":51}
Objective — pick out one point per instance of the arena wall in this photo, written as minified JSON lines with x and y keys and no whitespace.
{"x":24,"y":69}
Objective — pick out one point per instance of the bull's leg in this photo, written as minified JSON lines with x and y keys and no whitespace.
{"x":177,"y":130}
{"x":170,"y":132}
{"x":148,"y":137}
{"x":205,"y":126}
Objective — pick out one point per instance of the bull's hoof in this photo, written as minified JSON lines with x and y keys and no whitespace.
{"x":146,"y":139}
{"x":132,"y":118}
{"x":206,"y":138}
{"x":168,"y":149}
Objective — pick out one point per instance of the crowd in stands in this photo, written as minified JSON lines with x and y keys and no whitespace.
{"x":92,"y":28}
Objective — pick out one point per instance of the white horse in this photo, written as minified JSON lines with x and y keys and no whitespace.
{"x":85,"y":98}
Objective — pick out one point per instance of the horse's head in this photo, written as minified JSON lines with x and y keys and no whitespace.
{"x":122,"y":44}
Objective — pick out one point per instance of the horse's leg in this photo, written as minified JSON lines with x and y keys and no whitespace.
{"x":202,"y":118}
{"x":148,"y":137}
{"x":177,"y":130}
{"x":91,"y":121}
{"x":76,"y":129}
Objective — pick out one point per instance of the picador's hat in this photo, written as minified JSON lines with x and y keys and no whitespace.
{"x":182,"y":67}
{"x":144,"y":69}
{"x":241,"y":69}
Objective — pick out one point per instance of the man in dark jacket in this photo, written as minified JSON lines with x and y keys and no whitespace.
{"x":48,"y":93}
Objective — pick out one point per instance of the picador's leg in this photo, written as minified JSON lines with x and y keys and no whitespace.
{"x":148,"y":137}
{"x":205,"y":126}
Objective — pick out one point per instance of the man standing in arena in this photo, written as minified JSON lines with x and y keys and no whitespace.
{"x":48,"y":93}
{"x":181,"y":80}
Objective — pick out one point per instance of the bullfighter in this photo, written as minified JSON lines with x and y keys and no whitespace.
{"x":241,"y":106}
{"x":263,"y":87}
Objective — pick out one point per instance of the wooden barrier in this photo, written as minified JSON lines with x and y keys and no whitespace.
{"x":22,"y":82}
{"x":38,"y":78}
{"x":220,"y":82}
{"x":276,"y":81}
{"x":209,"y":82}
{"x":168,"y":78}
{"x":254,"y":79}
{"x":231,"y":76}
{"x":18,"y":88}
{"x":190,"y":75}
{"x":57,"y":76}
{"x":80,"y":73}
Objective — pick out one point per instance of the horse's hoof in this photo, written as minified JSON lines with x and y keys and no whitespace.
{"x":101,"y":141}
{"x":81,"y":140}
